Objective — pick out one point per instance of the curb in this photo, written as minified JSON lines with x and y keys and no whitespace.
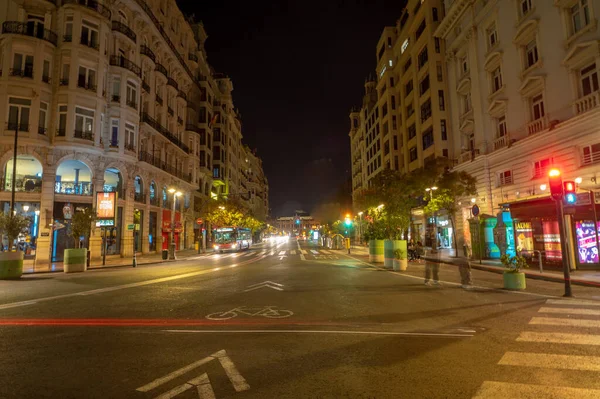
{"x":496,"y":270}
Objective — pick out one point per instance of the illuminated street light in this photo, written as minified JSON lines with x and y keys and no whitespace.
{"x":543,"y":187}
{"x":578,"y":180}
{"x":25,"y":208}
{"x":380,"y":206}
{"x":473,"y":200}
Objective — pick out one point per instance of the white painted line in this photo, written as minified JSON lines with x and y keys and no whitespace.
{"x":314,"y":252}
{"x":264,"y":285}
{"x":319,"y":332}
{"x":559,"y":338}
{"x":293,"y":252}
{"x":555,"y":321}
{"x":266,"y":282}
{"x":175,"y":391}
{"x":551,"y":361}
{"x":171,"y":376}
{"x":239,"y":383}
{"x":305,"y":252}
{"x":590,"y":312}
{"x":501,"y":390}
{"x":17,"y":304}
{"x":281,"y":253}
{"x":572,"y":302}
{"x":203,"y":387}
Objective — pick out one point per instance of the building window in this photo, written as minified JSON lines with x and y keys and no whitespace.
{"x":386,"y":148}
{"x":409,"y":110}
{"x":591,"y":154}
{"x":463,"y":65}
{"x":445,"y":153}
{"x":89,"y":34}
{"x":412,"y":131}
{"x":589,"y":79}
{"x":525,"y":7}
{"x":537,"y":107}
{"x":396,"y":163}
{"x":43,"y":120}
{"x":424,"y":85}
{"x":580,"y":15}
{"x":434,"y":13}
{"x":408,"y":88}
{"x":131,"y":95}
{"x":437,"y":45}
{"x":395,"y":141}
{"x":443,"y":129}
{"x":466,"y":103}
{"x":18,"y":114}
{"x":84,"y":123}
{"x":540,"y":168}
{"x":426,"y":110}
{"x":86,"y":78}
{"x":130,"y":137}
{"x":428,"y":138}
{"x":394,"y":123}
{"x":384,"y":110}
{"x":505,"y":178}
{"x":501,"y":126}
{"x":420,"y":30}
{"x":423,"y":57}
{"x":412,"y":154}
{"x":114,"y":133}
{"x":393,"y":102}
{"x":22,"y":65}
{"x":404,"y":46}
{"x":531,"y":54}
{"x":62,"y":120}
{"x":440,"y":73}
{"x":46,"y":71}
{"x":407,"y":65}
{"x":441,"y":100}
{"x":492,"y":36}
{"x":496,"y":80}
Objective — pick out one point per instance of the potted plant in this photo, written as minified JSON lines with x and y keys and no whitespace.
{"x":75,"y":258}
{"x":11,"y":263}
{"x":513,"y":278}
{"x":400,"y":260}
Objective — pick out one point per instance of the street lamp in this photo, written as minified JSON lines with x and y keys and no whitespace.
{"x":360,"y":227}
{"x":430,"y":190}
{"x":172,"y":233}
{"x":380,"y":207}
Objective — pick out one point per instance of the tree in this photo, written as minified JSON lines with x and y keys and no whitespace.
{"x":452,"y":186}
{"x":81,"y":225}
{"x":12,"y":226}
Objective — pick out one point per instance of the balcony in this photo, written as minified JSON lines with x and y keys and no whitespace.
{"x":501,"y":142}
{"x":80,"y":134}
{"x":159,"y":100}
{"x":164,"y":131}
{"x":468,"y":155}
{"x":124,"y":29}
{"x":13,"y":126}
{"x":181,"y":94}
{"x":154,"y":201}
{"x":26,"y":72}
{"x":586,"y":103}
{"x":192,"y":57}
{"x":131,"y":103}
{"x":67,"y":38}
{"x":145,"y":50}
{"x":61,"y":132}
{"x":93,"y":44}
{"x":139,"y":197}
{"x":42,"y":130}
{"x":86,"y":85}
{"x":92,"y":5}
{"x":123,"y":62}
{"x":159,"y":163}
{"x":63,"y":82}
{"x":46,"y":79}
{"x":22,"y":28}
{"x":160,"y":68}
{"x":73,"y":188}
{"x":23,"y":184}
{"x":130,"y":147}
{"x":113,"y":144}
{"x":171,"y":82}
{"x":115,"y":98}
{"x":145,"y":86}
{"x":192,"y":128}
{"x":537,"y":125}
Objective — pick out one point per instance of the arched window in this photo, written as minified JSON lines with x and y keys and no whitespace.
{"x":153,"y":197}
{"x":165,"y":197}
{"x":113,"y":181}
{"x":28,"y":176}
{"x":138,"y":186}
{"x":73,"y":177}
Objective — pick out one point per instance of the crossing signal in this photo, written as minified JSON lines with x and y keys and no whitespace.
{"x":555,"y":183}
{"x":348,"y":220}
{"x":569,"y":192}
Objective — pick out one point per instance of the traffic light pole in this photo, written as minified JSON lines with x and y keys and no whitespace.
{"x":563,"y":249}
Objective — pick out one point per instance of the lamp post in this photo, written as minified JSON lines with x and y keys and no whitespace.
{"x":360,"y":227}
{"x":172,"y":233}
{"x":430,"y":190}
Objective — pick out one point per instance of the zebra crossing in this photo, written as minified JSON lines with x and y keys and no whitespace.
{"x":276,"y":252}
{"x":560,"y":324}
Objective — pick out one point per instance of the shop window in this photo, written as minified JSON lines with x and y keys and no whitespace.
{"x":28,"y":177}
{"x":113,"y":182}
{"x":505,"y":178}
{"x":73,"y":178}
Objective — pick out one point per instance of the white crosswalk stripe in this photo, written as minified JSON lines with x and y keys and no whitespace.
{"x":560,"y":314}
{"x":281,"y":253}
{"x":314,"y":252}
{"x":293,"y":252}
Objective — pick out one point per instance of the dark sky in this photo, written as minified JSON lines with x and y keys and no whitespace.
{"x":297,"y":68}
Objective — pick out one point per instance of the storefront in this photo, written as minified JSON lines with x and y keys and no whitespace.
{"x":152,"y":222}
{"x":491,"y":236}
{"x":166,"y":229}
{"x":444,"y":232}
{"x":26,"y":241}
{"x":61,"y":239}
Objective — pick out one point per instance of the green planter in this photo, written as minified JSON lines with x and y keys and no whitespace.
{"x":514,"y":281}
{"x":75,"y":260}
{"x":389,"y":249}
{"x":11,"y":265}
{"x":376,"y":251}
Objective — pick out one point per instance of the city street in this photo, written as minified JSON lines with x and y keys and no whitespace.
{"x":291,"y":320}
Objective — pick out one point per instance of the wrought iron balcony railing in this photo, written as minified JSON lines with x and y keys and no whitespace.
{"x":92,"y":5}
{"x":123,"y":62}
{"x":124,"y":29}
{"x":23,"y":28}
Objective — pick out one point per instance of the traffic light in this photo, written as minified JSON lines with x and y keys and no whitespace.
{"x":569,"y":192}
{"x":555,"y":183}
{"x":348,"y":220}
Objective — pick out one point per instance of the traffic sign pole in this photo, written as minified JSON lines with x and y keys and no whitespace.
{"x":563,"y":249}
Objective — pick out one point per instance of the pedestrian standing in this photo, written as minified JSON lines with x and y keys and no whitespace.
{"x":432,"y":269}
{"x":465,"y":273}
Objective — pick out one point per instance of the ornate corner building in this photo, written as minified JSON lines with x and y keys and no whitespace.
{"x":116,"y":96}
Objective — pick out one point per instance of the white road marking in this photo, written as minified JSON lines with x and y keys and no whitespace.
{"x":500,"y":390}
{"x":555,"y":321}
{"x":560,"y":338}
{"x":572,"y":302}
{"x":293,"y":252}
{"x":281,"y":253}
{"x":590,"y":312}
{"x":268,"y":284}
{"x":265,"y":282}
{"x":305,"y":252}
{"x":551,"y":361}
{"x":320,"y":332}
{"x":239,"y":383}
{"x":314,"y":252}
{"x":171,"y":376}
{"x":203,"y":387}
{"x":121,"y":287}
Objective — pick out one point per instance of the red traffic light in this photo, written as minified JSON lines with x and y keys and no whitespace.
{"x":569,"y":186}
{"x":569,"y":192}
{"x":555,"y":183}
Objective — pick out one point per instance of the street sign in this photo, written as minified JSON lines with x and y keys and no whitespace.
{"x":45,"y":234}
{"x":199,"y":221}
{"x":130,"y":226}
{"x":475,"y":210}
{"x":584,"y":199}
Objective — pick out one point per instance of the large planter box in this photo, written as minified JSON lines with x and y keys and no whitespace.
{"x":75,"y":260}
{"x":514,"y":281}
{"x":400,"y":265}
{"x":389,"y":249}
{"x":11,"y":265}
{"x":376,"y":251}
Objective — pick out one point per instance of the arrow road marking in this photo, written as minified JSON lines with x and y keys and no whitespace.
{"x":268,"y":284}
{"x":281,"y":253}
{"x":202,"y":382}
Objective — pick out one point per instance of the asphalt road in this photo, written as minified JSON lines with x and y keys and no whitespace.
{"x":291,"y":320}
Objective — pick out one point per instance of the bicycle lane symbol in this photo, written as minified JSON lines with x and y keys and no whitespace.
{"x":270,"y":312}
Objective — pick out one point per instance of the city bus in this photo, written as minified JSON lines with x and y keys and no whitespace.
{"x":232,"y":239}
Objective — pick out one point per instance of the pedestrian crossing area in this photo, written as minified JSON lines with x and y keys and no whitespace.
{"x":562,"y":339}
{"x":320,"y":254}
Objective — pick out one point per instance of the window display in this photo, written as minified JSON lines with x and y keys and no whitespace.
{"x":587,"y":246}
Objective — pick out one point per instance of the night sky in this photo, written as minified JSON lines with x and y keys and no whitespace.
{"x":297,"y":69}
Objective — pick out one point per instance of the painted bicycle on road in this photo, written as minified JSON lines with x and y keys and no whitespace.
{"x":270,"y":312}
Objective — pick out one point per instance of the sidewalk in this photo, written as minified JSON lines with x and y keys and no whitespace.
{"x":115,"y":261}
{"x":589,"y":278}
